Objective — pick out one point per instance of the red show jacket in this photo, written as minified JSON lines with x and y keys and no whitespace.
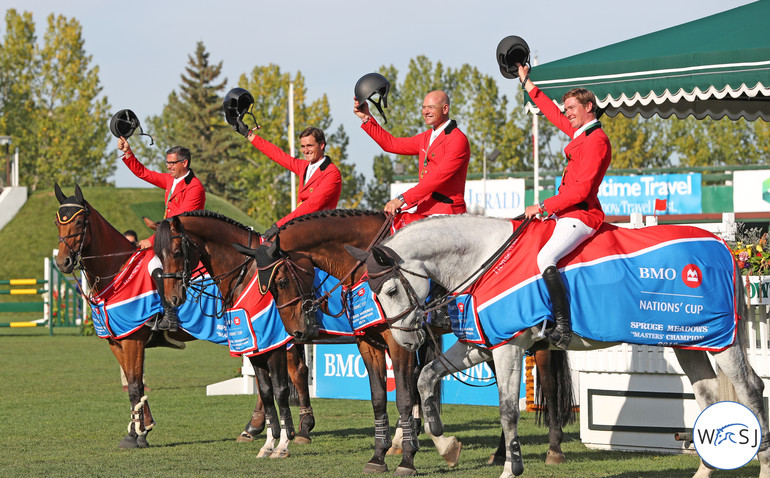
{"x":188,"y":195}
{"x":320,"y":193}
{"x":588,"y":157}
{"x":443,"y":167}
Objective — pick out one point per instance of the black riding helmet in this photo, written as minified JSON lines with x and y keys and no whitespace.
{"x":371,"y":84}
{"x":124,"y":123}
{"x":510,"y":51}
{"x":236,"y":105}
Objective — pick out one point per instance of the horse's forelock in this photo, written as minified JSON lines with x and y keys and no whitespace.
{"x":162,"y":238}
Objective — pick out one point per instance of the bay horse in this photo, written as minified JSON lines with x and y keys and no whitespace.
{"x":88,"y":242}
{"x":200,"y":235}
{"x":456,"y":250}
{"x":317,"y":240}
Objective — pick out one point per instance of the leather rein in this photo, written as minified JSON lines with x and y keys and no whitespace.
{"x":187,"y":272}
{"x":310,"y":304}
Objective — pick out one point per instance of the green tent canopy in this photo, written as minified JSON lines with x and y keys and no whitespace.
{"x":717,"y":66}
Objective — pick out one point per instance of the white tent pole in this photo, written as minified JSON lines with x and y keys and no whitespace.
{"x":291,"y":145}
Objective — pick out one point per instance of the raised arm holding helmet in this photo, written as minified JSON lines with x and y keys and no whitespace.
{"x":575,"y":207}
{"x":320,"y":182}
{"x":184,"y":192}
{"x":443,"y":153}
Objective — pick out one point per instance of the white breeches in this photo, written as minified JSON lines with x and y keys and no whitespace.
{"x":567,"y":235}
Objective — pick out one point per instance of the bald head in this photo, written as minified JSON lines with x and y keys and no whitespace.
{"x":435,"y":108}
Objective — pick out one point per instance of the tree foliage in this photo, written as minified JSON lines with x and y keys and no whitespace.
{"x":50,"y":103}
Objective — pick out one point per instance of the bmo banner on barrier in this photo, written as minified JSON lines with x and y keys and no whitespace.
{"x":623,"y":195}
{"x":499,"y":197}
{"x":340,"y":372}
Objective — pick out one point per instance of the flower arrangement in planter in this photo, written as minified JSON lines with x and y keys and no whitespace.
{"x":751,"y":251}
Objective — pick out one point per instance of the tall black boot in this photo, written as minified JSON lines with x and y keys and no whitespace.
{"x":170,"y":321}
{"x":560,"y":335}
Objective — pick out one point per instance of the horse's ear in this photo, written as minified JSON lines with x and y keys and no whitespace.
{"x":150,"y":223}
{"x":274,"y":248}
{"x":246,"y":251}
{"x":358,"y":254}
{"x":79,"y":194}
{"x":59,"y":195}
{"x":385,"y":256}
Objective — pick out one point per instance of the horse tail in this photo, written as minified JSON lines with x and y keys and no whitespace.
{"x":558,"y":372}
{"x":726,"y":390}
{"x":429,"y":351}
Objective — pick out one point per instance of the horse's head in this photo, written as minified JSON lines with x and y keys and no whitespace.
{"x":72,"y":221}
{"x":401,"y":288}
{"x":289,"y":277}
{"x":179,"y":256}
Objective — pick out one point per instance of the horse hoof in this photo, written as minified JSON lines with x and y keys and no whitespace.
{"x":128,"y":443}
{"x":300,"y":440}
{"x":244,"y":438}
{"x":404,"y":471}
{"x":264,"y":453}
{"x":393,"y":451}
{"x":141,"y":441}
{"x":497,"y":460}
{"x":280,"y":454}
{"x":375,"y":468}
{"x":553,"y":458}
{"x":452,"y":455}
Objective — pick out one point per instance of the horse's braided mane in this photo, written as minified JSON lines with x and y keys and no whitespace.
{"x":163,"y":233}
{"x":331,"y":213}
{"x":216,"y":215}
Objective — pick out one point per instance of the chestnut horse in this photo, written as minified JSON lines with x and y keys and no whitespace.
{"x":88,"y":242}
{"x":317,"y":240}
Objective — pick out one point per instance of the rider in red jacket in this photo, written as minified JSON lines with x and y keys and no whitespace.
{"x":575,"y":208}
{"x":443,"y":153}
{"x":320,"y":182}
{"x":184,"y":192}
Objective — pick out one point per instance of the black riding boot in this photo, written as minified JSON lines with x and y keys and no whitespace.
{"x":170,"y":321}
{"x":560,"y":335}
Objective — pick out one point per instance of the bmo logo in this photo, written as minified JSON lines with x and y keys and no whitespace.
{"x":691,"y":276}
{"x":658,"y":274}
{"x":361,"y":292}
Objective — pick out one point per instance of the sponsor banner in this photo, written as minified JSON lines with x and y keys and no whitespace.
{"x":759,"y":290}
{"x":623,"y":195}
{"x":340,"y":372}
{"x":751,"y":191}
{"x":500,"y":197}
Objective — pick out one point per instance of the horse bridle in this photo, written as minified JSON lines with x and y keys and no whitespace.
{"x":63,"y":220}
{"x":185,"y":275}
{"x":414,"y":302}
{"x":309,"y":304}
